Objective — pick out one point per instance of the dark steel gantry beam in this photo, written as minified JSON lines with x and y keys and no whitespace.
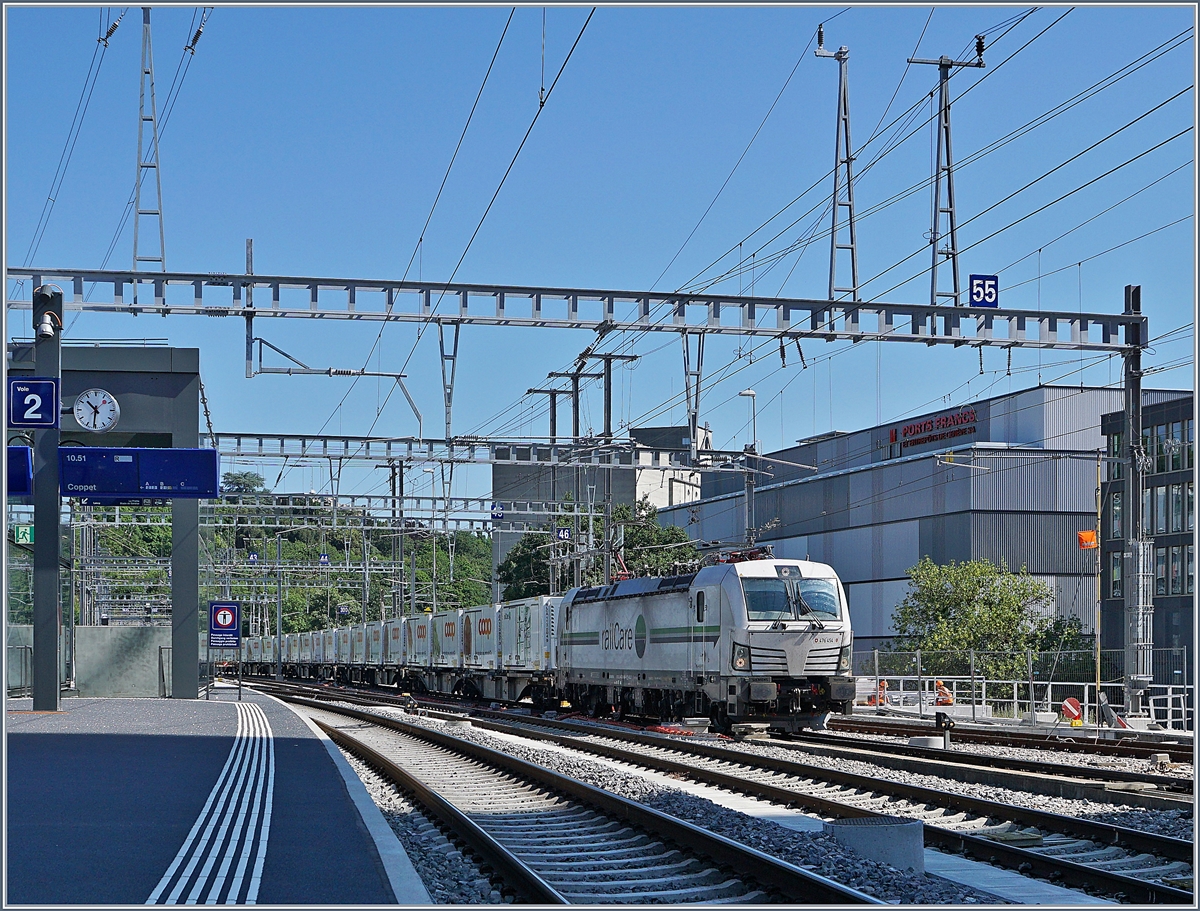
{"x":597,"y":310}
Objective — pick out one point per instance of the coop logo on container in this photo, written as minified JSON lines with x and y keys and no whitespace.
{"x":484,"y":626}
{"x":617,"y":637}
{"x":448,"y":629}
{"x":422,"y":632}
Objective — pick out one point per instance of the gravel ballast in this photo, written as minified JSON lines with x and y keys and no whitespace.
{"x":449,"y":876}
{"x":814,"y":851}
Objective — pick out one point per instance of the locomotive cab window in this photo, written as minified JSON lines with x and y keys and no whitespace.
{"x":699,"y":607}
{"x":777,"y":599}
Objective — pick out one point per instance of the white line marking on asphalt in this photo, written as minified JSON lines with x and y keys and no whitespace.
{"x":230,"y":817}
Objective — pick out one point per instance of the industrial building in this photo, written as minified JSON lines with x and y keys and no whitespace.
{"x":1011,"y":479}
{"x":1168,"y":519}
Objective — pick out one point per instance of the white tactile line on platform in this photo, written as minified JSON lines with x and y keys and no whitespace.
{"x":230,"y":818}
{"x":1002,"y":883}
{"x":407,"y":886}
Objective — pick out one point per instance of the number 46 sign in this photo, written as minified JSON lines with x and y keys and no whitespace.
{"x":985,"y":290}
{"x":32,"y":402}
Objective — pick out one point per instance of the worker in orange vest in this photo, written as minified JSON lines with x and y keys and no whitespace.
{"x":944,"y":696}
{"x":881,"y":698}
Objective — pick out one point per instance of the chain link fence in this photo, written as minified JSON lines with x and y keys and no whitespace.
{"x":1016,"y":686}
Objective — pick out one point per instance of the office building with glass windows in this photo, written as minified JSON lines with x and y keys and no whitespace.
{"x":1168,"y":511}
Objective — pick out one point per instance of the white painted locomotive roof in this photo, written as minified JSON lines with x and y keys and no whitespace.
{"x":766,"y":568}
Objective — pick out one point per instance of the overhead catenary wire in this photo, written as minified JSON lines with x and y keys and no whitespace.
{"x":541,"y":107}
{"x":1104,"y":83}
{"x":746,"y":150}
{"x":419,"y":246}
{"x":181,"y":71}
{"x":1107,"y":82}
{"x":81,"y":108}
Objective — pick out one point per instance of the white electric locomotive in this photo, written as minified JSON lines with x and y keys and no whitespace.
{"x":752,"y":641}
{"x":741,"y":641}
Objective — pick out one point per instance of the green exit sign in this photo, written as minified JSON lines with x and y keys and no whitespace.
{"x":23,"y":534}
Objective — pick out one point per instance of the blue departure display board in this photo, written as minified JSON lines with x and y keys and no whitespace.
{"x":97,"y":472}
{"x":20,"y":471}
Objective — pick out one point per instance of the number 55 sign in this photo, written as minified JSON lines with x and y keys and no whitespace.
{"x":985,"y":291}
{"x":32,"y":402}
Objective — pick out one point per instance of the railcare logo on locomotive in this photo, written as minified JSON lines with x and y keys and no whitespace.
{"x":618,"y":637}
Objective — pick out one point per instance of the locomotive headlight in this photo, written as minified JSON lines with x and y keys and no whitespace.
{"x":844,"y":657}
{"x":741,"y":657}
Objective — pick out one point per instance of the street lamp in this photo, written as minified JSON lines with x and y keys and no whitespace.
{"x":749,"y":393}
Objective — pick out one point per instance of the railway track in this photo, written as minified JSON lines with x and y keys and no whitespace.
{"x":1126,"y":746}
{"x":1040,"y":776}
{"x":556,"y":840}
{"x":1033,"y":770}
{"x":1109,"y":859}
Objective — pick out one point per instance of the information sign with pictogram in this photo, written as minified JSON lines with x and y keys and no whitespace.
{"x":224,"y":624}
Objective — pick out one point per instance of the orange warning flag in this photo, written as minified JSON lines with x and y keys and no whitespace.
{"x":1087,"y":540}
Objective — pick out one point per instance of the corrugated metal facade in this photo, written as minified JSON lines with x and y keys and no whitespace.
{"x":1021,"y":485}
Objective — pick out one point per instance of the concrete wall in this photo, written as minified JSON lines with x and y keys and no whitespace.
{"x":119,"y":660}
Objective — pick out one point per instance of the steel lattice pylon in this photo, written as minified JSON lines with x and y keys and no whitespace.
{"x":148,"y":159}
{"x":943,"y":178}
{"x":843,"y":181}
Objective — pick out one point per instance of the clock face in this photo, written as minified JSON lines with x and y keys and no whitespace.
{"x":96,"y":410}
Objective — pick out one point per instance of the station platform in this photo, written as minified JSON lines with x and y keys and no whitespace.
{"x":163,"y":801}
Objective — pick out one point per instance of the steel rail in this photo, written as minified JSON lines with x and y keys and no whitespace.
{"x":793,"y":883}
{"x":504,"y":861}
{"x":983,"y":848}
{"x":1005,"y":763}
{"x":1125,"y":746}
{"x":1174,"y":848}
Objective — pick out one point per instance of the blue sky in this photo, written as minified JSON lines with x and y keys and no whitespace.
{"x":323,"y":133}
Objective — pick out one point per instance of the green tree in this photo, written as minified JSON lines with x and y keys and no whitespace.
{"x":525,"y":572}
{"x":243,"y":482}
{"x":953,"y":608}
{"x":649,"y":550}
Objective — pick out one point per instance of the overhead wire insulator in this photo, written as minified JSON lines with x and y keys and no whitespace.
{"x":821,"y":35}
{"x":112,"y":29}
{"x":979,"y":46}
{"x":191,"y":47}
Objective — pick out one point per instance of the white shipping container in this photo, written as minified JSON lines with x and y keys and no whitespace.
{"x":318,"y":647}
{"x":419,"y":640}
{"x":480,"y":637}
{"x":447,"y":638}
{"x":358,"y":644}
{"x":375,"y":643}
{"x":306,"y":642}
{"x":393,"y":642}
{"x":343,"y":645}
{"x":269,"y":644}
{"x":329,"y":646}
{"x":291,"y":648}
{"x":528,"y":639}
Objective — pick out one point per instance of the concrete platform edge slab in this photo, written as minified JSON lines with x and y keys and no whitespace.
{"x":402,"y":875}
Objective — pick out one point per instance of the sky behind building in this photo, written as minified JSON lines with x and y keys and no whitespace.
{"x":680,"y":148}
